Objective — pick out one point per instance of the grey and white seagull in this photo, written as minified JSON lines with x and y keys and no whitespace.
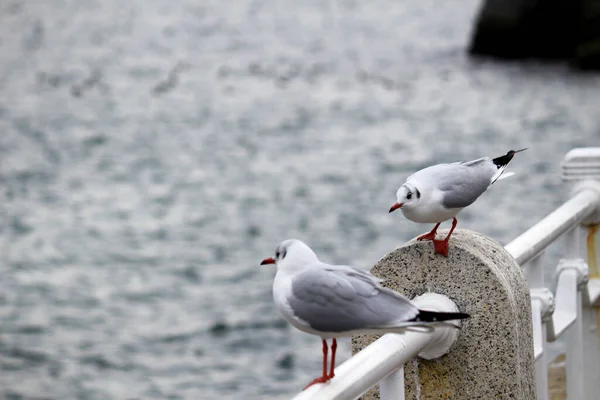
{"x":438,"y":193}
{"x":332,"y":301}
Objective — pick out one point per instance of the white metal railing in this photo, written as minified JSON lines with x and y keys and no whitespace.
{"x":562,"y":314}
{"x":531,"y":243}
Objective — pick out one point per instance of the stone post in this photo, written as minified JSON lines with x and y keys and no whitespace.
{"x":493,"y":357}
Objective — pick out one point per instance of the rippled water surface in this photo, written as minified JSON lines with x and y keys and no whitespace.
{"x":153,"y":152}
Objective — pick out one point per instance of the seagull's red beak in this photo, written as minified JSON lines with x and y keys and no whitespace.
{"x":269,"y":260}
{"x":396,"y":206}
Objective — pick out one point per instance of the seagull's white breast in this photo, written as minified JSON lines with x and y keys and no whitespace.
{"x":429,"y":209}
{"x":282,"y":290}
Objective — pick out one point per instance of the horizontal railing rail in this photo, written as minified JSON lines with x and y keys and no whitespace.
{"x":535,"y":240}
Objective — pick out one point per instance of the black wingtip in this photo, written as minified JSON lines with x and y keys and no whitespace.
{"x":503,"y":161}
{"x":433,"y":316}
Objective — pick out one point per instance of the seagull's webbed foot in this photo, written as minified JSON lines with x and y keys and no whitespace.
{"x":427,"y":236}
{"x":430,"y":235}
{"x":321,"y":379}
{"x":441,"y":247}
{"x":325,"y":377}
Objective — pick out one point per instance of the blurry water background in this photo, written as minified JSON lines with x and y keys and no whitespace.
{"x":154,"y":152}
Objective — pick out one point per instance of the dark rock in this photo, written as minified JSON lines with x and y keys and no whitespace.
{"x":540,"y":29}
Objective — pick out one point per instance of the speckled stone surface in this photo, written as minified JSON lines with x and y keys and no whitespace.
{"x":493,"y":357}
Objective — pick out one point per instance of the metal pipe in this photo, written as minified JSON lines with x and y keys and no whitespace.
{"x":541,"y":235}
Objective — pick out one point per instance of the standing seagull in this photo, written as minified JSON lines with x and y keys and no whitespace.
{"x":334,"y":301}
{"x":438,"y":193}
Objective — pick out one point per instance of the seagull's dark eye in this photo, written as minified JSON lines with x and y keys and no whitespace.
{"x":409,"y":195}
{"x":279,"y":254}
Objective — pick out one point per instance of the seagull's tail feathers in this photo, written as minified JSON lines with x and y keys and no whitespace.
{"x":433,"y":316}
{"x":426,"y":321}
{"x":502,"y":162}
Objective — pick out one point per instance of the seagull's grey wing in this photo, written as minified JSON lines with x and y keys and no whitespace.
{"x":462,"y":184}
{"x":338,"y":301}
{"x":363,"y":274}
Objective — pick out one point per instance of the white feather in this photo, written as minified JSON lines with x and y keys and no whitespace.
{"x":500,"y":175}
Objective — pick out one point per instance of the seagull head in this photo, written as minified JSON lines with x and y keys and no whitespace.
{"x":291,"y":255}
{"x":407,"y":196}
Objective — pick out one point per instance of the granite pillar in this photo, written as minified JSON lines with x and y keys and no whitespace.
{"x":493,"y":357}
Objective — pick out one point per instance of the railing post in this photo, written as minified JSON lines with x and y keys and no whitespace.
{"x":541,"y":362}
{"x":493,"y":356}
{"x":591,"y":317}
{"x":392,"y":386}
{"x":542,"y":307}
{"x":574,"y":336}
{"x":591,"y":353}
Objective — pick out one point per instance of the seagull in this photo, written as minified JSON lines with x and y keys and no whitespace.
{"x":438,"y":193}
{"x":332,"y":301}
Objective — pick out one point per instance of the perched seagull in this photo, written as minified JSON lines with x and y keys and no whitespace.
{"x":438,"y":193}
{"x":334,"y":301}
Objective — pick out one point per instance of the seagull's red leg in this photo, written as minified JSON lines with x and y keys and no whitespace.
{"x":441,"y":246}
{"x":324,"y":358}
{"x":324,"y":378}
{"x":430,"y":235}
{"x":333,"y":349}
